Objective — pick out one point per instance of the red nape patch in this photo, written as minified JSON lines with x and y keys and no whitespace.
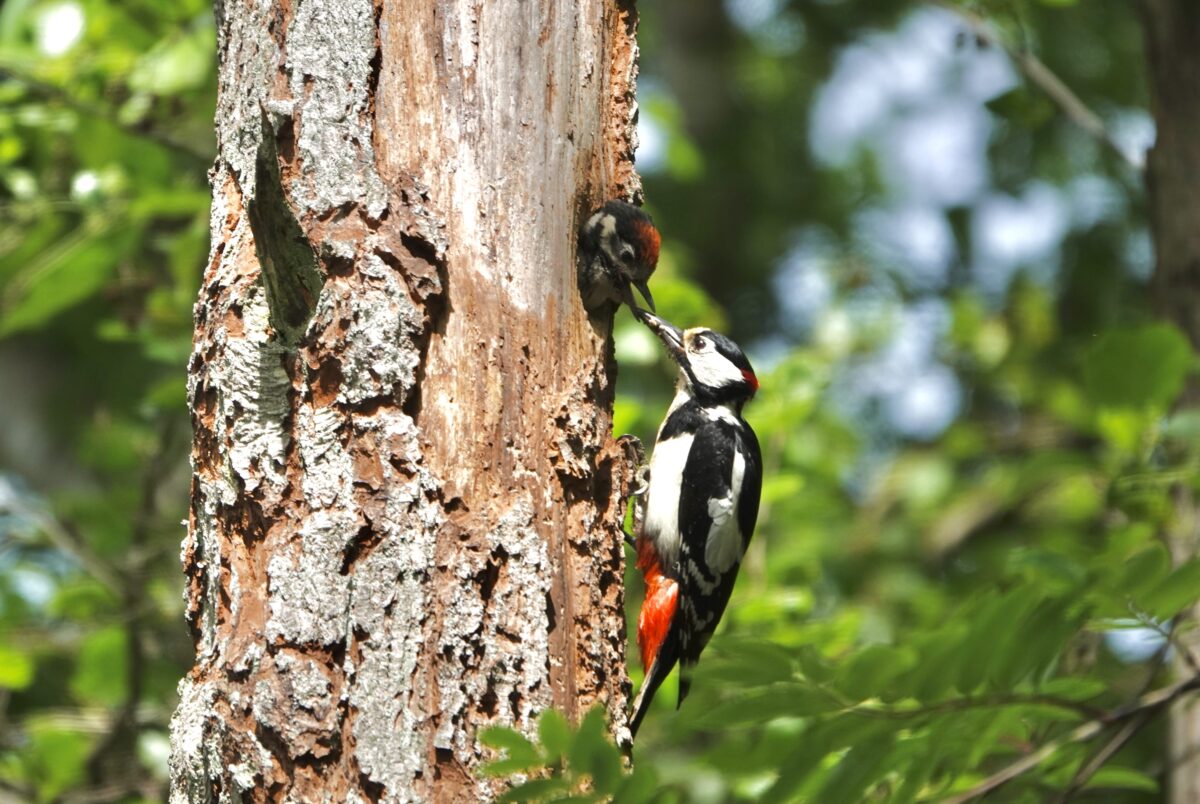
{"x":658,"y":609}
{"x":750,"y":378}
{"x":649,"y":241}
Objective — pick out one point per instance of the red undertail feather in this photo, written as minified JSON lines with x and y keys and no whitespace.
{"x":662,"y":597}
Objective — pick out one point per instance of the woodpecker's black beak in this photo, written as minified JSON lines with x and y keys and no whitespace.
{"x":631,"y":301}
{"x":644,"y":289}
{"x":668,"y":333}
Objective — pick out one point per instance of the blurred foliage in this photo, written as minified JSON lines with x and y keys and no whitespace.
{"x":921,"y":605}
{"x":568,"y":763}
{"x":105,"y":136}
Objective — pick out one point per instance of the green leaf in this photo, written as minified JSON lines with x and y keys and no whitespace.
{"x":174,"y":65}
{"x":504,"y":738}
{"x":1177,"y":591}
{"x":813,"y":665}
{"x":1073,"y":689}
{"x":763,"y":704}
{"x":535,"y":790}
{"x":638,"y":787}
{"x":1137,"y":367}
{"x":510,"y":765}
{"x":867,"y":673}
{"x":1035,"y":644}
{"x":995,"y":628}
{"x":1022,"y":106}
{"x":61,"y":277}
{"x":554,"y":733}
{"x":860,"y":768}
{"x":747,"y":662}
{"x":592,"y":753}
{"x":100,"y":672}
{"x":940,"y":659}
{"x":519,"y":753}
{"x":1120,"y":778}
{"x":1144,"y":570}
{"x":16,"y":668}
{"x":55,"y":758}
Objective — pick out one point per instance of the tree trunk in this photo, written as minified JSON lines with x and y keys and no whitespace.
{"x":406,"y":503}
{"x":1172,"y":32}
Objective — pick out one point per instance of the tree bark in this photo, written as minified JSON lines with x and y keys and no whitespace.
{"x":406,"y":502}
{"x":1172,"y":33}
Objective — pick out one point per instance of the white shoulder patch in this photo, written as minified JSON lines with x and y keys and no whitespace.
{"x":721,"y":413}
{"x":723,"y":548}
{"x":661,"y":523}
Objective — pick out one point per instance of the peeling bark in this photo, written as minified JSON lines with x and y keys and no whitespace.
{"x":406,"y":502}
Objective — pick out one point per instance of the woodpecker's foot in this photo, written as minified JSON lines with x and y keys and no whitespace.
{"x":630,"y":542}
{"x":643,"y":480}
{"x":635,"y":454}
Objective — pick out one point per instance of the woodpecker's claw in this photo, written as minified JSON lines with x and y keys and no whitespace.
{"x":635,"y":453}
{"x":643,"y":479}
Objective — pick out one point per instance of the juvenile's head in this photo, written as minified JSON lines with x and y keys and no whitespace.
{"x":625,"y":239}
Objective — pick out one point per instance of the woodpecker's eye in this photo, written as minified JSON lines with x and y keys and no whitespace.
{"x":626,"y":254}
{"x":699,"y":343}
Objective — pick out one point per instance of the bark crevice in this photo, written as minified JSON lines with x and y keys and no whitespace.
{"x":405,"y":519}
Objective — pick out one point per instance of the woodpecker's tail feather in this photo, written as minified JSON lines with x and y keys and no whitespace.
{"x":685,"y":682}
{"x":668,"y":653}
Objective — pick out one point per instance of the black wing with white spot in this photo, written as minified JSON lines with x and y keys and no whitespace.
{"x":718,"y":506}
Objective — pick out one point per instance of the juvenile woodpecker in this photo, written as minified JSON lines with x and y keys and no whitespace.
{"x":701,"y":505}
{"x":618,"y":247}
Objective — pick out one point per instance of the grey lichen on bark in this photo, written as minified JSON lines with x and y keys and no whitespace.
{"x":406,"y":505}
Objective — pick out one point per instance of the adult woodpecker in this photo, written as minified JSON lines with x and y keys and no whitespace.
{"x":700,"y":507}
{"x":618,"y":247}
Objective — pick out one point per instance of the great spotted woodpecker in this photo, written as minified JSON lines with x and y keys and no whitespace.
{"x":618,"y":247}
{"x":700,"y":507}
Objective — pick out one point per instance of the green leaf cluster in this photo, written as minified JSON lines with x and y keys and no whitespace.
{"x":567,"y":763}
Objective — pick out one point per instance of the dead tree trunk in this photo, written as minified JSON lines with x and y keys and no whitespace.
{"x":406,"y":503}
{"x":1172,"y":33}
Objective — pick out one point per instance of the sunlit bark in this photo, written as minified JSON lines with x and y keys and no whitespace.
{"x":406,"y":499}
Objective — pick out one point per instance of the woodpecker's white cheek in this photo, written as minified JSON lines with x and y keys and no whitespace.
{"x":713,"y":370}
{"x":661,"y":524}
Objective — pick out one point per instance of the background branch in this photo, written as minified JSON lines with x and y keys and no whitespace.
{"x":1042,"y":77}
{"x":1147,"y":705}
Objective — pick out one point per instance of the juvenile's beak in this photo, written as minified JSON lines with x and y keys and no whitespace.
{"x":644,"y":289}
{"x":668,"y":333}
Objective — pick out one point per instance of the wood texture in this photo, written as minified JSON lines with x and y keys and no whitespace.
{"x":406,"y":505}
